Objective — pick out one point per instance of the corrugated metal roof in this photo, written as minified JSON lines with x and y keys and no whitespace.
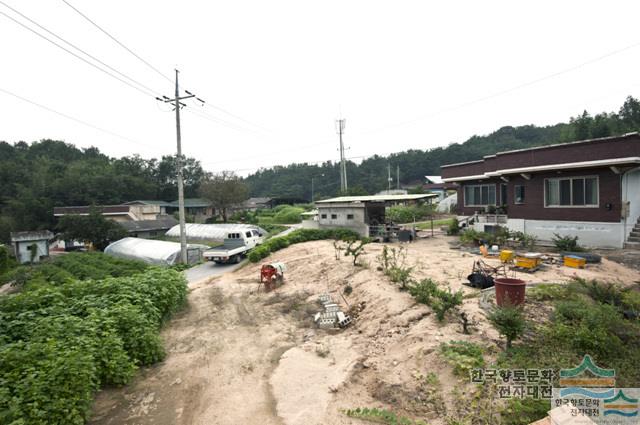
{"x":377,"y":198}
{"x":434,"y":179}
{"x":147,"y":202}
{"x":38,"y":235}
{"x":162,"y":223}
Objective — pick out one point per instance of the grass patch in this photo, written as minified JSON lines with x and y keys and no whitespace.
{"x":589,"y":318}
{"x":463,"y":356}
{"x":381,"y":416}
{"x":426,"y":225}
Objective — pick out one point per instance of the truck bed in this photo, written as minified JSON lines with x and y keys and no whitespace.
{"x":229,"y":248}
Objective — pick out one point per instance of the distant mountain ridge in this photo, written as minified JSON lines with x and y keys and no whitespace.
{"x":370,"y":176}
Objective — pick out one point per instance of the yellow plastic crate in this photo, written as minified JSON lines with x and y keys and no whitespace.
{"x":575,"y":262}
{"x":506,"y":255}
{"x":527,"y":263}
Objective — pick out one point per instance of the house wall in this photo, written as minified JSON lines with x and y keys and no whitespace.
{"x":590,"y":233}
{"x":357,"y":223}
{"x":533,"y":207}
{"x":23,"y":253}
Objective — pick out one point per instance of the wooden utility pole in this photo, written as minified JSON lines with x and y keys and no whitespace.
{"x":398,"y":176}
{"x":179,"y":165}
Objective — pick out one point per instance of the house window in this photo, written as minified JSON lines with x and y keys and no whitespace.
{"x":479,"y":195}
{"x":334,"y":216}
{"x":323,"y":216}
{"x":519,"y":194}
{"x":349,"y":216}
{"x":571,"y":192}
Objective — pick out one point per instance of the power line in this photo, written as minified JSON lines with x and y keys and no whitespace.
{"x":75,"y":47}
{"x":117,"y":41}
{"x":236,"y":117}
{"x":69,"y":117}
{"x":143,"y":91}
{"x":121,"y":44}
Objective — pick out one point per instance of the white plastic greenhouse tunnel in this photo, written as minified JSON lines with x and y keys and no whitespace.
{"x":153,"y":251}
{"x":211,"y":232}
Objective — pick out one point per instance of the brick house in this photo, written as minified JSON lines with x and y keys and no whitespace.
{"x":589,"y":189}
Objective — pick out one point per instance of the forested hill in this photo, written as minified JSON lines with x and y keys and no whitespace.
{"x":370,"y":175}
{"x":36,"y":177}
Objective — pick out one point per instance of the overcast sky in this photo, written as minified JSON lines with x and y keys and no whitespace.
{"x":405,"y":74}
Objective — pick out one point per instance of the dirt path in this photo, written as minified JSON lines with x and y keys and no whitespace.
{"x":238,"y":356}
{"x":220,"y":355}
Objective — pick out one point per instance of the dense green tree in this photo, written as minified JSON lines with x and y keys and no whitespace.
{"x":36,"y":177}
{"x":224,"y":190}
{"x":93,"y":228}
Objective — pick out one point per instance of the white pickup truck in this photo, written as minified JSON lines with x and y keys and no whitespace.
{"x":236,"y":245}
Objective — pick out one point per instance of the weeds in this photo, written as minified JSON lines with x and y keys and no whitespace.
{"x":523,"y":411}
{"x":463,"y":356}
{"x":441,"y":301}
{"x":509,"y":321}
{"x":382,"y":416}
{"x":566,"y":243}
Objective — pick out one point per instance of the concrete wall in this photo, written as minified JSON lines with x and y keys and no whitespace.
{"x":23,"y":253}
{"x":590,"y":234}
{"x":341,"y":213}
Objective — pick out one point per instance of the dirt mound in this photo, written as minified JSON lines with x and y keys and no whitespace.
{"x":239,"y":355}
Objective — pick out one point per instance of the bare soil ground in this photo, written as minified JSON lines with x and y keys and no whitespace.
{"x":239,"y":356}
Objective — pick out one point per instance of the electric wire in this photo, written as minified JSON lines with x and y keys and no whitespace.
{"x":508,"y":90}
{"x":121,"y":44}
{"x":69,"y":117}
{"x":75,"y":47}
{"x":118,"y":41}
{"x":141,"y":90}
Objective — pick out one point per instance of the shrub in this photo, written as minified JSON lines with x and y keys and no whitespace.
{"x":566,"y":243}
{"x":4,"y":259}
{"x":472,"y":236}
{"x":523,"y":411}
{"x":286,"y":214}
{"x":298,"y":236}
{"x":61,"y":342}
{"x":441,"y":301}
{"x":463,"y":356}
{"x":408,"y":214}
{"x":509,"y":321}
{"x":454,"y":227}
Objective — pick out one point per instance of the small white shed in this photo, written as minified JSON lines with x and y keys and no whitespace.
{"x":31,"y":247}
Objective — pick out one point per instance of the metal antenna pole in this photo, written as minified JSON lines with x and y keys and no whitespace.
{"x":340,"y":124}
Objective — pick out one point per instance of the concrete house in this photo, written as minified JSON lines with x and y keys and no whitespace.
{"x":200,"y":209}
{"x":589,"y":189}
{"x":363,"y":214}
{"x":31,"y":246}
